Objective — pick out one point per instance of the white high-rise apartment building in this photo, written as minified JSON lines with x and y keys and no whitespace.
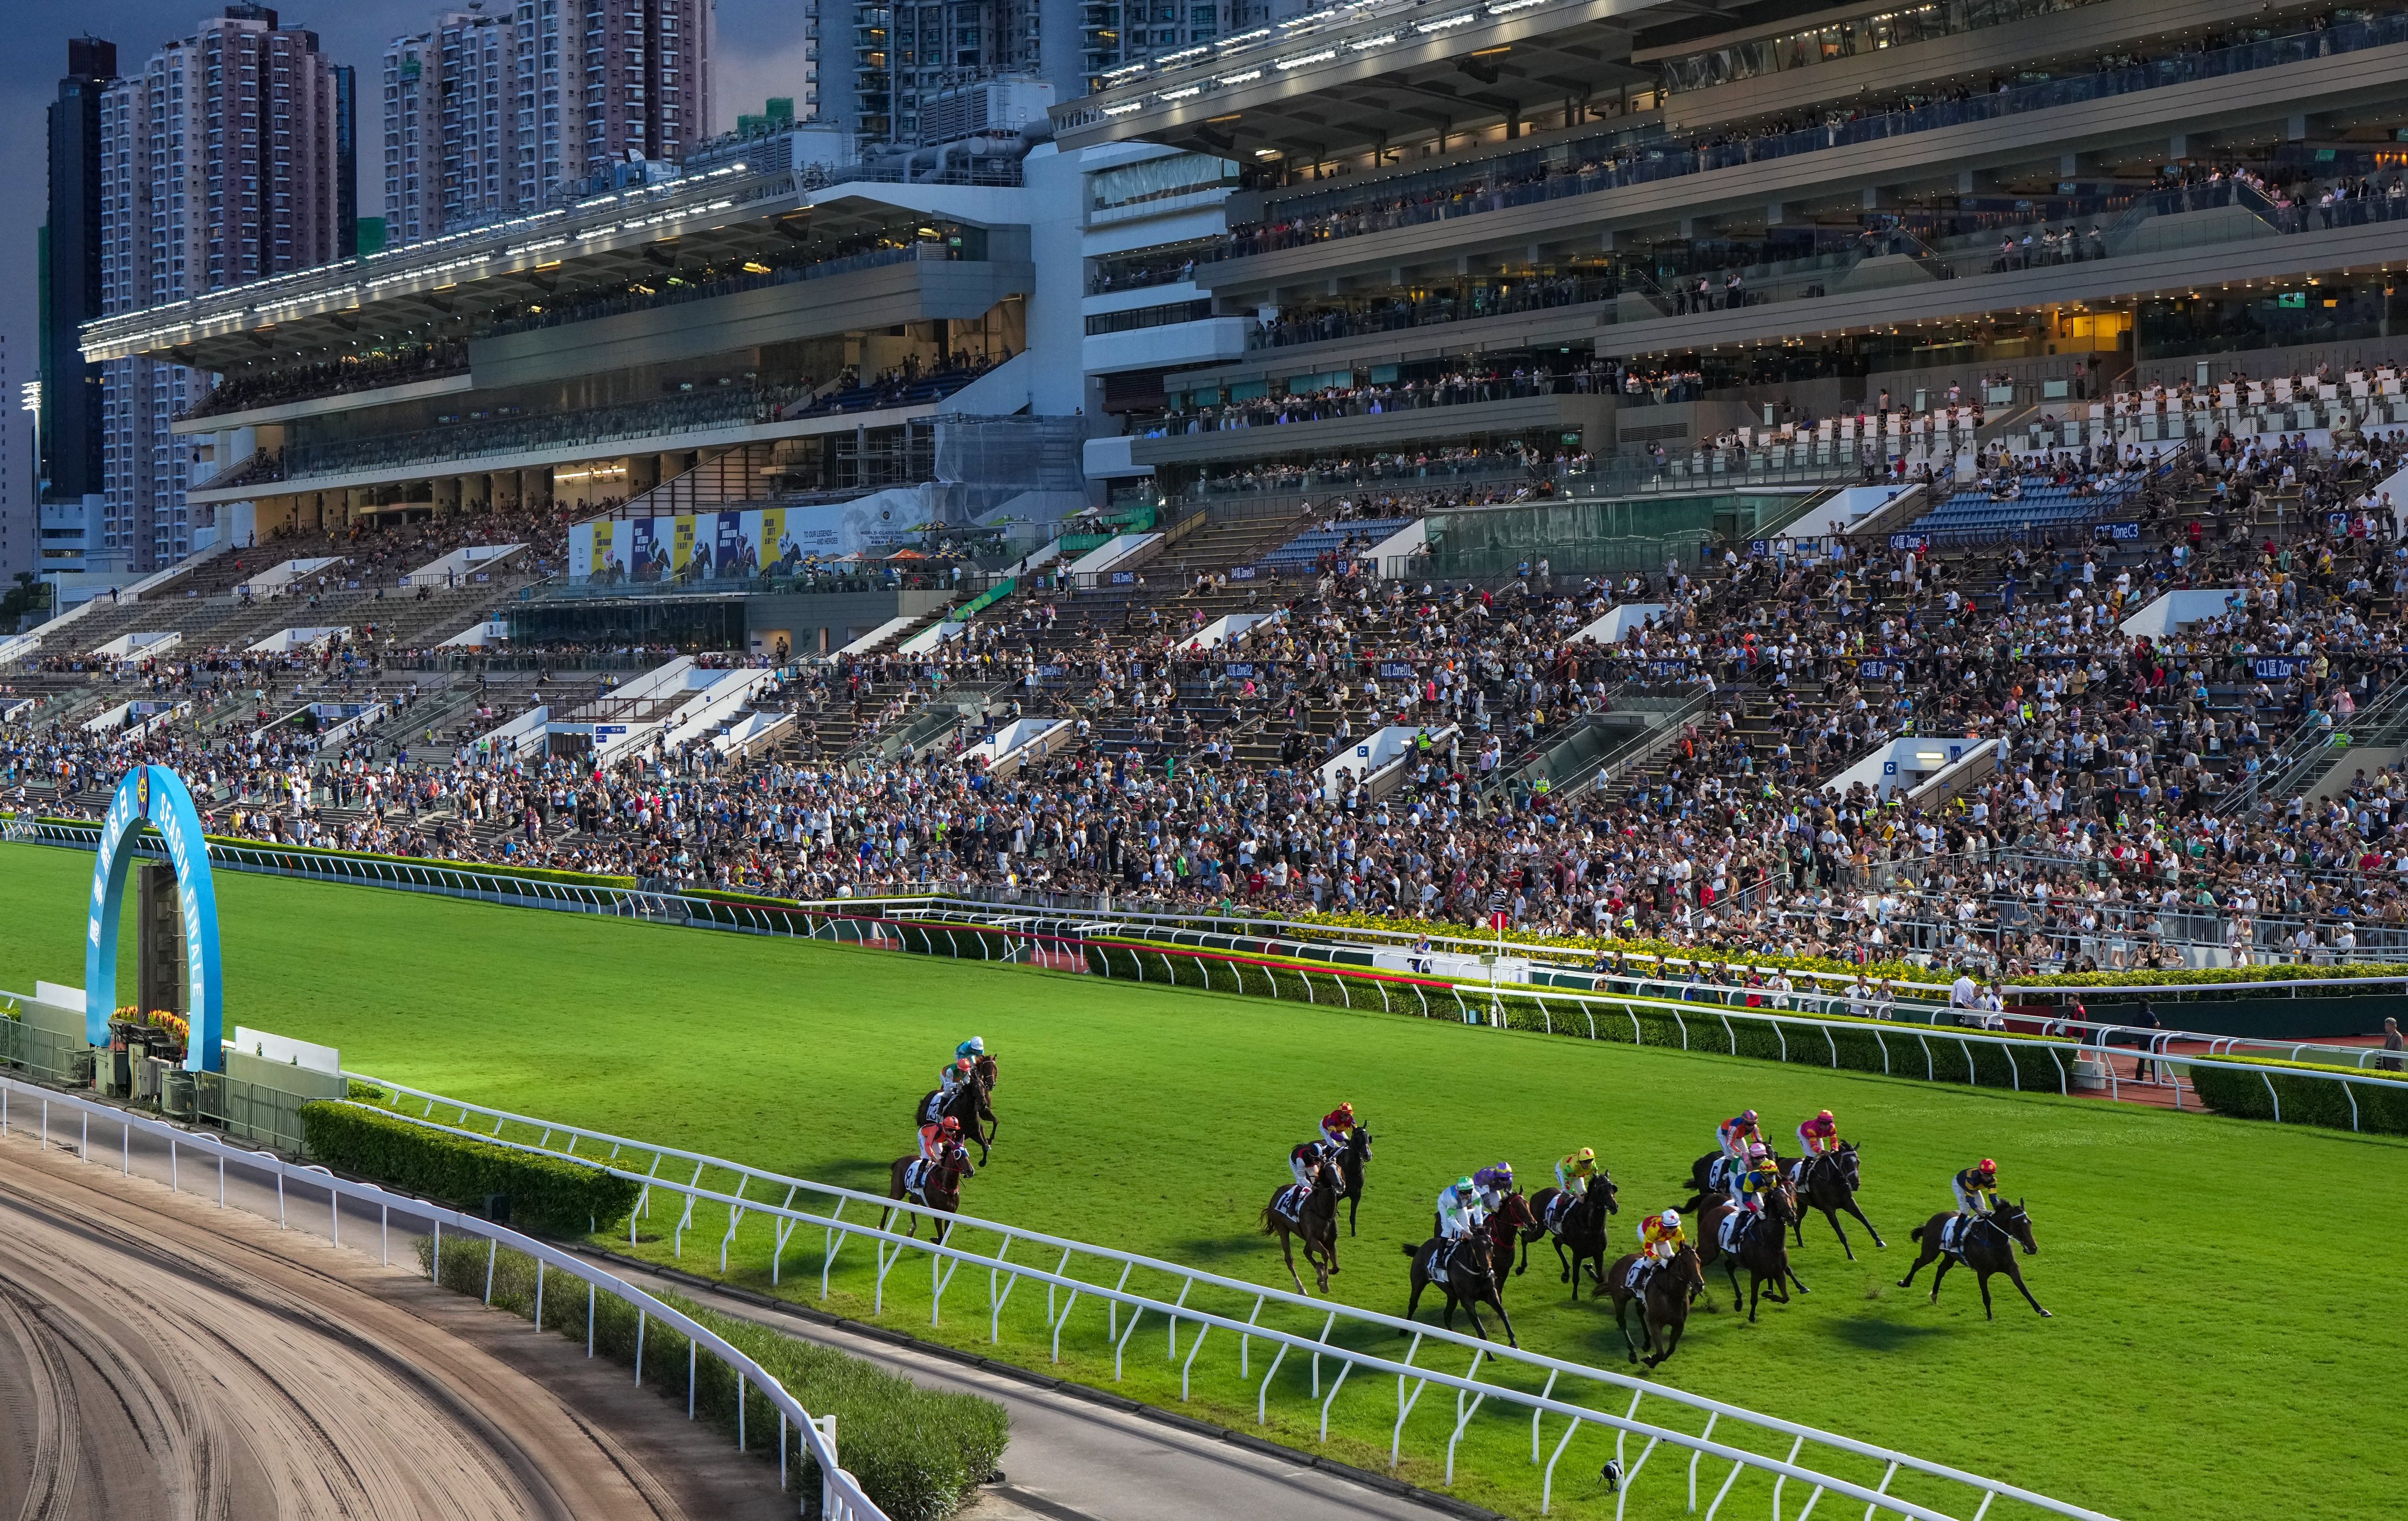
{"x":218,"y":168}
{"x":496,"y":115}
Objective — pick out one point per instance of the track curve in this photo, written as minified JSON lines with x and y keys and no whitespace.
{"x":162,"y":1359}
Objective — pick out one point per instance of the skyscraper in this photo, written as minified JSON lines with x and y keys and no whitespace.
{"x":493,"y":115}
{"x":220,"y":165}
{"x":69,"y":420}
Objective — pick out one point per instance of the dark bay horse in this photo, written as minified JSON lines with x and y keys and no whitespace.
{"x":1580,"y":1234}
{"x":941,"y":1189}
{"x":1666,"y":1313}
{"x":1317,"y":1230}
{"x":1471,"y":1281}
{"x":972,"y":1103}
{"x":1828,"y":1183}
{"x":1987,"y":1245}
{"x":1763,"y":1250}
{"x":1350,"y":1163}
{"x":1507,"y":1229}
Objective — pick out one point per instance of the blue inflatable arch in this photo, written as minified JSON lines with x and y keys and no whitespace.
{"x":157,"y":796}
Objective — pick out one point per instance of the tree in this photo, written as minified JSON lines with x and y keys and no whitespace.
{"x":29,"y":596}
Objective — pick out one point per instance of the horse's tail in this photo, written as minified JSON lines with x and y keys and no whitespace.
{"x":1270,"y":1222}
{"x":1697,"y":1204}
{"x":1409,"y":1249}
{"x":1916,"y":1234}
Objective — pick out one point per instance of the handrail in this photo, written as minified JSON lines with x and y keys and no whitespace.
{"x":843,"y":1499}
{"x":738,"y":1206}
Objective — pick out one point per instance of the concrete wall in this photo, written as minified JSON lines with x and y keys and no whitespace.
{"x":808,"y":618}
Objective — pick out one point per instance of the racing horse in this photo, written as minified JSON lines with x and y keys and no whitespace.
{"x":1987,"y":1245}
{"x":939,"y":1189}
{"x":1350,"y":1163}
{"x":1582,"y":1229}
{"x":1506,"y":1228}
{"x":1317,"y":1229}
{"x":1469,"y":1281}
{"x":1762,"y":1247}
{"x":1666,"y":1312}
{"x":972,"y":1103}
{"x":1828,"y":1183}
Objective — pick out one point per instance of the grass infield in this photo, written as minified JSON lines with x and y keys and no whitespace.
{"x":2190,"y":1370}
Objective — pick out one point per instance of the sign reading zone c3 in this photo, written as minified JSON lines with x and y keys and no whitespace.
{"x":157,"y":796}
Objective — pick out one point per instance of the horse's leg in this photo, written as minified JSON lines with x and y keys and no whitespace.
{"x":1730,"y":1265}
{"x":1354,"y":1203}
{"x":1567,"y":1262}
{"x":1945,"y":1263}
{"x":1497,"y":1299}
{"x":1287,"y":1251}
{"x":1621,"y":1324}
{"x":1421,"y":1282}
{"x":2017,"y":1274}
{"x":1850,"y":1207}
{"x":1790,"y":1271}
{"x":1919,"y":1264}
{"x":1472,"y":1309}
{"x":1833,"y":1216}
{"x":1984,"y":1274}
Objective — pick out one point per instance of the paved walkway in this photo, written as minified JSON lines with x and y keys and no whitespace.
{"x":1074,"y":1457}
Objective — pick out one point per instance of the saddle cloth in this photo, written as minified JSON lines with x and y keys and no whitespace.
{"x":1952,"y":1233}
{"x":1736,"y":1225}
{"x":935,"y":1108}
{"x":914,"y":1177}
{"x":1291,"y":1204}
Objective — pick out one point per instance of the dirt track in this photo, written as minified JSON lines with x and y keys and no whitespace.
{"x":160,"y":1357}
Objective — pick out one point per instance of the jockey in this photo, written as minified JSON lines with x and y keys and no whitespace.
{"x":965,"y":1061}
{"x":1459,"y":1214}
{"x":1761,"y":1177}
{"x":1337,"y":1126}
{"x":1494,"y":1183}
{"x":1574,"y":1171}
{"x":1659,"y":1241}
{"x":1305,"y":1161}
{"x":950,"y":1079}
{"x":936,"y":1137}
{"x":1732,"y":1136}
{"x":1977,"y":1190}
{"x":1819,"y":1135}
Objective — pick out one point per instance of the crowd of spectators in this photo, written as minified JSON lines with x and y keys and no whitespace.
{"x":2125,"y":818}
{"x":397,"y":365}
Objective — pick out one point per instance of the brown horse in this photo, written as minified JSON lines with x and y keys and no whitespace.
{"x":1471,"y":1281}
{"x":1828,"y":1183}
{"x":972,"y":1103}
{"x":1763,"y":1249}
{"x":1317,"y":1229}
{"x":941,"y":1189}
{"x":1987,"y":1245}
{"x":1580,"y":1234}
{"x":1666,"y":1312}
{"x":1506,"y":1230}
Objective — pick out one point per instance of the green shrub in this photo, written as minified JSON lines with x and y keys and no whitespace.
{"x":2381,"y":1101}
{"x":551,"y":1194}
{"x":921,"y":1454}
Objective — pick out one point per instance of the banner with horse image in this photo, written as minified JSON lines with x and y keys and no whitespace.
{"x":719,"y":546}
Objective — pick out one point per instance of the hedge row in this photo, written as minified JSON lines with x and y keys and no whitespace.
{"x":2031,"y":1063}
{"x":921,"y":1454}
{"x":549,"y":1194}
{"x":2381,"y":1104}
{"x":1902,"y":970}
{"x":473,"y":868}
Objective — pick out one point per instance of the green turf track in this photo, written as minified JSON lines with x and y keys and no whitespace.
{"x":2220,"y":1338}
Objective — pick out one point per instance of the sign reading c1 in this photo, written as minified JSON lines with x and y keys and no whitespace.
{"x":156,"y":795}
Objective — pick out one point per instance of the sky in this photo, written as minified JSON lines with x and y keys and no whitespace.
{"x":759,"y":53}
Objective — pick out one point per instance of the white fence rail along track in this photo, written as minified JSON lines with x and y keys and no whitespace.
{"x":1194,"y":1305}
{"x":78,"y":1125}
{"x":2092,"y":1043}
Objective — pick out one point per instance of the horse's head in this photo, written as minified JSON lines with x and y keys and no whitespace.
{"x":1601,"y":1187}
{"x":983,"y":1070}
{"x":2016,"y":1223}
{"x":1847,"y":1163}
{"x":1358,"y":1142}
{"x":1516,"y":1211}
{"x":1781,"y":1203}
{"x":952,"y":1160}
{"x":1688,"y":1269}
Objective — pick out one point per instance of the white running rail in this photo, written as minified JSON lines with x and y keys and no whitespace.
{"x":842,"y":1498}
{"x":776,"y":1204}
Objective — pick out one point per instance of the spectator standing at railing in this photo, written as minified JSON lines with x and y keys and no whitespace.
{"x":2393,"y":1044}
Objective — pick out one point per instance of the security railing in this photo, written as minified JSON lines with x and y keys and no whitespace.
{"x":1247,"y":1313}
{"x":67,"y":1122}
